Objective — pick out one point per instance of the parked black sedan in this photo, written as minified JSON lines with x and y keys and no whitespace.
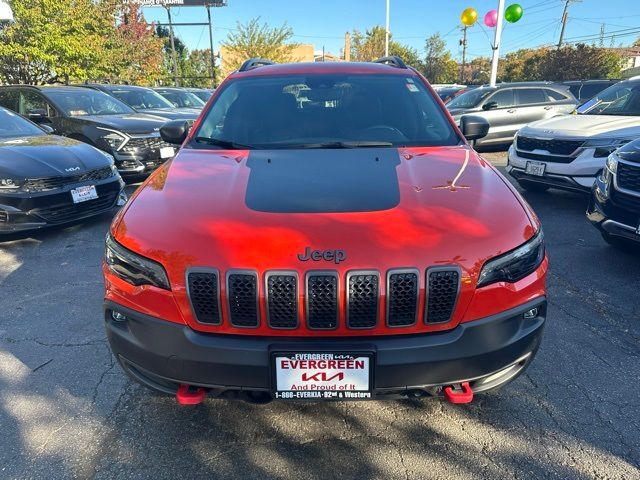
{"x":614,"y":207}
{"x":94,"y":117}
{"x":146,"y":100}
{"x":181,"y":98}
{"x":49,"y":180}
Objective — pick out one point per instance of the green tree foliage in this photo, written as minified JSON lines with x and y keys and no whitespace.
{"x":254,"y":39}
{"x":196,"y":69}
{"x":439,"y":66}
{"x":369,"y":46}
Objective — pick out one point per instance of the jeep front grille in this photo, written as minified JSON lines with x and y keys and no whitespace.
{"x":322,"y":300}
{"x":242,"y":297}
{"x":362,"y":299}
{"x":443,"y":285}
{"x":403,"y":291}
{"x":282,"y":299}
{"x":204,"y":294}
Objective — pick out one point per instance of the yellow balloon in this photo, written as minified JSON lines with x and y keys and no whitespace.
{"x":469,"y":16}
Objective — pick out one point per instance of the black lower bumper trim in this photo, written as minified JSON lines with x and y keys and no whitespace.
{"x":163,"y":354}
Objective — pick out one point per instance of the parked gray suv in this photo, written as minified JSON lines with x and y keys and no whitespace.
{"x":509,"y":106}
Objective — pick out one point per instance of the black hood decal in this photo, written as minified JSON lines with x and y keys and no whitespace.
{"x":323,"y":180}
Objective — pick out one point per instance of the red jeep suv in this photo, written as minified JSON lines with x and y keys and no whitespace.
{"x":325,"y":232}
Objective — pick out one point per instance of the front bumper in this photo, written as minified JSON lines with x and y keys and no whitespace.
{"x":24,"y":211}
{"x":141,"y":156}
{"x":612,"y":215}
{"x":163,"y":355}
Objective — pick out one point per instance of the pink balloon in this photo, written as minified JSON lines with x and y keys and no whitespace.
{"x":491,"y":18}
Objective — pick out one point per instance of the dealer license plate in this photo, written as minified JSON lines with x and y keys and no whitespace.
{"x":167,"y":152}
{"x":535,"y":168}
{"x":82,"y":194}
{"x":300,"y":376}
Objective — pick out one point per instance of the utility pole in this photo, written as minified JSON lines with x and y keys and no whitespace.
{"x":347,"y":47}
{"x":496,"y":44}
{"x":565,"y":17}
{"x":213,"y":57}
{"x":173,"y":48}
{"x":386,"y":37}
{"x":601,"y":36}
{"x":463,"y":42}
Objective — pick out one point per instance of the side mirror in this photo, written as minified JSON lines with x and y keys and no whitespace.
{"x":474,"y":127}
{"x":490,"y":106}
{"x":47,"y":128}
{"x":38,"y":115}
{"x":175,"y":132}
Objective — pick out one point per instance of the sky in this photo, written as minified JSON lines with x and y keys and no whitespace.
{"x":323,"y":23}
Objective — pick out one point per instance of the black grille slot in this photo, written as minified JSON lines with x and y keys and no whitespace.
{"x":362,"y":299}
{"x":282,"y":300}
{"x":402,"y":298}
{"x":4,"y":216}
{"x":626,"y":201}
{"x":204,"y":296}
{"x":52,"y":183}
{"x":546,"y":158}
{"x":557,"y":147}
{"x":322,"y":301}
{"x":442,"y":293}
{"x":242,"y":294}
{"x":71,"y":211}
{"x":628,"y":177}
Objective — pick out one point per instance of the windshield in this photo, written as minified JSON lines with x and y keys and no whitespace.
{"x":325,"y":111}
{"x":13,"y":125}
{"x":620,"y":99}
{"x":203,"y":95}
{"x":182,"y":98}
{"x":469,"y":99}
{"x":141,"y":98}
{"x":82,"y":102}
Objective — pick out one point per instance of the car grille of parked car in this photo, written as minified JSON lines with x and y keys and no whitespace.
{"x":322,"y":295}
{"x":69,"y":211}
{"x":628,"y":177}
{"x":53,"y":183}
{"x":145,"y":143}
{"x":560,"y":151}
{"x":4,"y":216}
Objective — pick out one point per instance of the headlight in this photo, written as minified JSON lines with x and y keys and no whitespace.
{"x":514,"y":265}
{"x":604,"y":146}
{"x":9,"y":184}
{"x":133,"y":268}
{"x":113,"y":139}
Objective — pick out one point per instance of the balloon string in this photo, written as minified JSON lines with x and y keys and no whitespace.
{"x":487,"y":35}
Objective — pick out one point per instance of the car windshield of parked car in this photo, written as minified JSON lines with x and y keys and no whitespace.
{"x":182,"y":99}
{"x":620,"y":99}
{"x":469,"y":99}
{"x":13,"y":125}
{"x":203,"y":95}
{"x":326,"y":111}
{"x":85,"y":102}
{"x":141,"y":99}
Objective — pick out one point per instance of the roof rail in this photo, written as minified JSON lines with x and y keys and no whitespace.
{"x":255,"y":63}
{"x":392,"y":60}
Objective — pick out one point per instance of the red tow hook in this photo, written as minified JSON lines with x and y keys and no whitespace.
{"x":463,"y":394}
{"x":189,"y":395}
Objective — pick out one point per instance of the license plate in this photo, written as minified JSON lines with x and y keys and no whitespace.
{"x":535,"y":168}
{"x":299,"y":376}
{"x":167,"y":152}
{"x":82,"y":194}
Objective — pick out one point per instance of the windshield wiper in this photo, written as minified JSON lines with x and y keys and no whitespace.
{"x":223,"y":143}
{"x":341,"y":145}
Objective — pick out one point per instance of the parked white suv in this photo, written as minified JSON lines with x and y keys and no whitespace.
{"x":568,"y":152}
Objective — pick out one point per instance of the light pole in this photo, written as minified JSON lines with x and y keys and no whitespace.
{"x":6,"y":14}
{"x":496,"y":44}
{"x":386,"y":36}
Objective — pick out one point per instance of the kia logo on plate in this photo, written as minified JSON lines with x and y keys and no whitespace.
{"x":336,"y":256}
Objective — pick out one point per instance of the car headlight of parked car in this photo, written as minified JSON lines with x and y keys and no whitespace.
{"x":9,"y":185}
{"x":133,"y":268}
{"x":603,"y":183}
{"x":516,"y":264}
{"x":604,"y":146}
{"x":113,"y":139}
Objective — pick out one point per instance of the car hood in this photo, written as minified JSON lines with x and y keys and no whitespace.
{"x":386,"y":208}
{"x":134,"y":123}
{"x":173,"y":114}
{"x":585,"y":126}
{"x":47,"y":156}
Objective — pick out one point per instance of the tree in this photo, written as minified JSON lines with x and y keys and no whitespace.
{"x":258,"y":40}
{"x":370,"y":46}
{"x":196,"y":69}
{"x":439,"y":66}
{"x":478,"y":71}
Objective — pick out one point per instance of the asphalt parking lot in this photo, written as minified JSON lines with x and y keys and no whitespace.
{"x":67,"y":410}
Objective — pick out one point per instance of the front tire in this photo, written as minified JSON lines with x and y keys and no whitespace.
{"x":533,"y":186}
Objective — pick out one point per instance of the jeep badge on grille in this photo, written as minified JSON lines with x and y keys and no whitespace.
{"x":336,"y":256}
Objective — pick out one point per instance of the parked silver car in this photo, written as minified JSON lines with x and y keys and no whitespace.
{"x":509,"y":106}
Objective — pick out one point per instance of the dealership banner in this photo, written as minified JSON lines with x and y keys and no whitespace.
{"x":178,"y":3}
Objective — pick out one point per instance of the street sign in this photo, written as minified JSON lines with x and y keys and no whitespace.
{"x":178,"y":3}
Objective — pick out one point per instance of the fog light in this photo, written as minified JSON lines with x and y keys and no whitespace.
{"x":118,"y":317}
{"x":533,"y":313}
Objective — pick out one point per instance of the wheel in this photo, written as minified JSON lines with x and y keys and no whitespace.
{"x":621,"y":243}
{"x":533,"y":186}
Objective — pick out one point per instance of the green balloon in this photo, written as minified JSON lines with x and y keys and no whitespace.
{"x":513,"y":13}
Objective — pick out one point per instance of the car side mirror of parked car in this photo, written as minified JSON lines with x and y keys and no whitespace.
{"x":38,"y":115}
{"x":47,"y":128}
{"x":474,"y":127}
{"x":490,"y":106}
{"x":175,"y":132}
